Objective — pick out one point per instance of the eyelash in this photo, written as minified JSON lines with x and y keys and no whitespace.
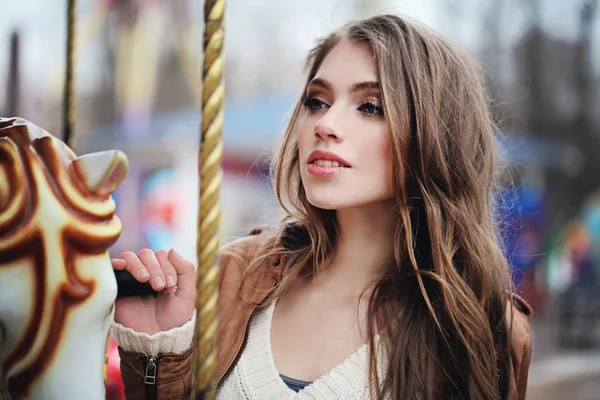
{"x":313,"y":104}
{"x":378,"y":110}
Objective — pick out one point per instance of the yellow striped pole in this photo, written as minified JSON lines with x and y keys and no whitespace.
{"x":209,"y":209}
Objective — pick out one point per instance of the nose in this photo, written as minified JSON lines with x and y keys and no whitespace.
{"x":328,"y":127}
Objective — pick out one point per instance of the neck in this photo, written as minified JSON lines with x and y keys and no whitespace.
{"x":363,"y":246}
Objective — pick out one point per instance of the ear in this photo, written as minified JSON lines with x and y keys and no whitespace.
{"x":101,"y":172}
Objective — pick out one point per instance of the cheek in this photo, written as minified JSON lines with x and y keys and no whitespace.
{"x":305,"y":136}
{"x":387,"y":156}
{"x":379,"y":153}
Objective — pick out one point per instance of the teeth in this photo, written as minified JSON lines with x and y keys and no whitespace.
{"x":327,"y":163}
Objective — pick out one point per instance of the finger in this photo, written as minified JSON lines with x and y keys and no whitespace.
{"x":157,"y":277}
{"x":118,"y":263}
{"x":186,"y":275}
{"x":168,"y":268}
{"x":135,"y":267}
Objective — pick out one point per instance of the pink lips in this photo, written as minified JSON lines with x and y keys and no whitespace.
{"x":326,"y":163}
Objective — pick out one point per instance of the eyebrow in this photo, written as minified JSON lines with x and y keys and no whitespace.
{"x":356,"y":87}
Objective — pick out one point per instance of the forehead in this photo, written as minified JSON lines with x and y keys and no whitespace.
{"x":348,"y":63}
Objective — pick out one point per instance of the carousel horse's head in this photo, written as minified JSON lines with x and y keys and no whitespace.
{"x":57,"y":286}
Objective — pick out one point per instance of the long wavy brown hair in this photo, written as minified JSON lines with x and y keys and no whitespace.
{"x":440,"y":309}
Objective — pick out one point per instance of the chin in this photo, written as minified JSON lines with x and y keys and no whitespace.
{"x":327,"y":201}
{"x":336,"y":199}
{"x":325,"y":205}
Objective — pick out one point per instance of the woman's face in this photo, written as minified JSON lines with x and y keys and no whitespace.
{"x":344,"y":141}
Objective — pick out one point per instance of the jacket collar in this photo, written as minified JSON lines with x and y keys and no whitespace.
{"x":261,"y":281}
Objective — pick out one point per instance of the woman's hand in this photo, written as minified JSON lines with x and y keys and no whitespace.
{"x":173,"y":277}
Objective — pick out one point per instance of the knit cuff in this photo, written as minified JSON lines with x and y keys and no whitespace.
{"x":176,"y":340}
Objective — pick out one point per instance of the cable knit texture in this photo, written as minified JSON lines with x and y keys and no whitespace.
{"x":176,"y":340}
{"x":255,"y":375}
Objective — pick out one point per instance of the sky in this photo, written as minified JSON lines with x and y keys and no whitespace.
{"x":293,"y":23}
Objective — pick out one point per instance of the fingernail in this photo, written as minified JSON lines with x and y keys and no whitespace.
{"x":159,"y":282}
{"x":170,"y":281}
{"x":143,"y":274}
{"x":119,"y":262}
{"x":175,"y":253}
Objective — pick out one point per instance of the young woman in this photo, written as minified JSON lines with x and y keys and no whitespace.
{"x":387,"y":280}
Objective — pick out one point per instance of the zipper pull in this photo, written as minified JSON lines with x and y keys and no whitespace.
{"x":150,"y":375}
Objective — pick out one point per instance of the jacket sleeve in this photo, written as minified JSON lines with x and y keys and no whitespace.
{"x":521,"y":347}
{"x":156,"y":366}
{"x":524,"y":370}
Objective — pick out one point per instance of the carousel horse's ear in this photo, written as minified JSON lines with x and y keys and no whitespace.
{"x":101,"y":172}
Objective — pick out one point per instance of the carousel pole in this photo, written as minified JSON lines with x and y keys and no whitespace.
{"x":69,"y":88}
{"x":209,"y":211}
{"x":14,"y":75}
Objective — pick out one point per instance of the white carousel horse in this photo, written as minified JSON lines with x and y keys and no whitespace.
{"x":57,"y":286}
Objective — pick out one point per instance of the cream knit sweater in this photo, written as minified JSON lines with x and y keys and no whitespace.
{"x":255,"y":376}
{"x":176,"y":340}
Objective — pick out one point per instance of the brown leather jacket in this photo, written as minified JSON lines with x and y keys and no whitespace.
{"x":174,"y":372}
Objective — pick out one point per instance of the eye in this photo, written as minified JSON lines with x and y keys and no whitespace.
{"x":314,"y":104}
{"x":370,"y":108}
